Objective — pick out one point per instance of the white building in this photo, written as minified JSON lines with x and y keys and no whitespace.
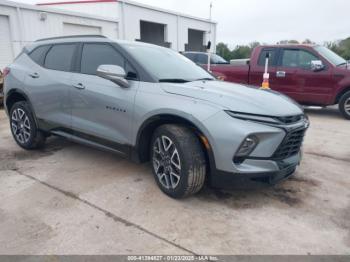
{"x":148,"y":24}
{"x":21,"y":24}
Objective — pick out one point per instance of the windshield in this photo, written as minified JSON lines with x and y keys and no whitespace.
{"x":215,"y":59}
{"x":330,"y":55}
{"x":166,"y":64}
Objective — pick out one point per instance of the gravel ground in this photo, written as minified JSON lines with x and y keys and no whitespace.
{"x":71,"y":199}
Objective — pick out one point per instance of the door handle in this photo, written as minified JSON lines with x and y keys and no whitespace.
{"x":280,"y":74}
{"x":79,"y":86}
{"x":34,"y":75}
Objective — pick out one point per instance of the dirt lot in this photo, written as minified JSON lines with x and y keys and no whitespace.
{"x":70,"y":199}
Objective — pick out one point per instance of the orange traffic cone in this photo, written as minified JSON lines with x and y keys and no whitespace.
{"x":265,"y":84}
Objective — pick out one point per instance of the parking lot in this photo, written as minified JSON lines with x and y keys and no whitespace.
{"x":71,"y":199}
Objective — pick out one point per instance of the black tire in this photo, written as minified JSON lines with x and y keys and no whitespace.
{"x":32,"y":138}
{"x":189,"y":157}
{"x":344,"y":103}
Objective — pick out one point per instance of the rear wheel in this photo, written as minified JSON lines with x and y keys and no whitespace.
{"x":23,"y":127}
{"x":178,"y":161}
{"x":344,"y":105}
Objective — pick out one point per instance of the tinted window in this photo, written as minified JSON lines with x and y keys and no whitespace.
{"x":202,"y":59}
{"x":190,"y":56}
{"x":297,"y":58}
{"x":60,"y":57}
{"x":95,"y":55}
{"x":216,"y":59}
{"x":272,"y":57}
{"x":38,"y":54}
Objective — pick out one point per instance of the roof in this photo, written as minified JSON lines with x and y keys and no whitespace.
{"x":129,"y":2}
{"x":291,"y":45}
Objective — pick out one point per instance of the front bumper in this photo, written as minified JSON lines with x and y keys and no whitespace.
{"x":227,"y":180}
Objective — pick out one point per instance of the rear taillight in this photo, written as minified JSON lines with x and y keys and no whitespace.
{"x":6,"y":72}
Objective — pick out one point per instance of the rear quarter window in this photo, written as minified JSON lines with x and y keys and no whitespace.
{"x":38,"y":54}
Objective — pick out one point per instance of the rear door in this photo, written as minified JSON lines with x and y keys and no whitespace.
{"x":102,"y":110}
{"x":48,"y":80}
{"x":296,"y":79}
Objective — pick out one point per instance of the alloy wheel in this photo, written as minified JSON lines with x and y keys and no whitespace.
{"x":347,"y":106}
{"x":166,"y":162}
{"x":20,"y":125}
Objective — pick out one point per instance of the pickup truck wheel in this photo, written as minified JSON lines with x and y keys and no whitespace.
{"x":344,"y":105}
{"x":23,"y":127}
{"x":178,"y":161}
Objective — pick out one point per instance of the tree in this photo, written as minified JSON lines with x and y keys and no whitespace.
{"x":241,"y":51}
{"x":287,"y":42}
{"x":223,"y":51}
{"x":308,"y":42}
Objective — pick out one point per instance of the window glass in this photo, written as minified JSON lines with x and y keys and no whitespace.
{"x":298,"y":58}
{"x":216,"y":59}
{"x":305,"y":59}
{"x":190,"y":56}
{"x":95,"y":55}
{"x":290,"y":58}
{"x":272,"y":56}
{"x":38,"y":54}
{"x":60,"y":57}
{"x":202,"y":59}
{"x":330,"y":55}
{"x":164,"y":63}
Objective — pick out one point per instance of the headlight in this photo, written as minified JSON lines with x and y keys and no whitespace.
{"x":257,"y":118}
{"x":276,"y":120}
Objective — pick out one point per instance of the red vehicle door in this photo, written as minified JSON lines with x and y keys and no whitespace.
{"x":296,"y":79}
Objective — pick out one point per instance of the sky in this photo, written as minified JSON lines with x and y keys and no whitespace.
{"x":266,"y":21}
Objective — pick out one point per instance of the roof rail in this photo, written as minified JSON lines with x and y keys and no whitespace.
{"x":69,"y":36}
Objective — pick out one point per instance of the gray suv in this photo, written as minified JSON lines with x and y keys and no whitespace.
{"x":150,"y":103}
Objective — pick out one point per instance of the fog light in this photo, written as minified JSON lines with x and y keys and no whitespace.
{"x":247,"y":146}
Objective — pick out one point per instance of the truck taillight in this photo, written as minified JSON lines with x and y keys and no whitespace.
{"x":6,"y":72}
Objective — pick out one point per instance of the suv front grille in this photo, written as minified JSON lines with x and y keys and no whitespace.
{"x":291,"y":144}
{"x":290,"y":119}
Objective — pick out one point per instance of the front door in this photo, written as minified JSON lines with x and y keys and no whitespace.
{"x":296,"y":79}
{"x":102,"y":110}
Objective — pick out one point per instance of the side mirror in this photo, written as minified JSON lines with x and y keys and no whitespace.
{"x":114,"y":73}
{"x":317,"y":65}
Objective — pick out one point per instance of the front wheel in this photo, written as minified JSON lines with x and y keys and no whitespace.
{"x":178,"y":161}
{"x":344,"y":105}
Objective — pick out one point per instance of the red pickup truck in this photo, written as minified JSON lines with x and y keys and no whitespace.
{"x":310,"y":74}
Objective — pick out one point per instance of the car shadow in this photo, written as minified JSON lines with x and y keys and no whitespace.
{"x":324,"y":112}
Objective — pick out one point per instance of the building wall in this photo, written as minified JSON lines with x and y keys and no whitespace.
{"x":129,"y":14}
{"x":26,"y":26}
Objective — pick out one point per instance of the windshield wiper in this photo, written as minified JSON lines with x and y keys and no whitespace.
{"x":173,"y":80}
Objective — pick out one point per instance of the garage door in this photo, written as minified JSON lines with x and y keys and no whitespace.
{"x":76,"y":29}
{"x":6,"y":53}
{"x":195,"y":40}
{"x":153,"y":33}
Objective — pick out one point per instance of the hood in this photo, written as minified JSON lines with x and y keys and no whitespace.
{"x":235,"y":97}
